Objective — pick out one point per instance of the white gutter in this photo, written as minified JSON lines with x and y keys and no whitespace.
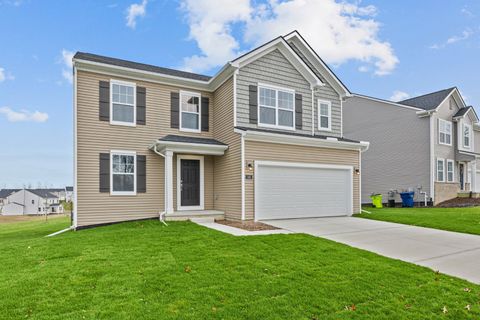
{"x":313,"y":111}
{"x":61,"y":231}
{"x":75,"y":156}
{"x":242,"y":139}
{"x":162,"y":213}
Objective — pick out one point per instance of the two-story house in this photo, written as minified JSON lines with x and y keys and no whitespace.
{"x":262,"y":139}
{"x":31,"y":202}
{"x":424,"y":144}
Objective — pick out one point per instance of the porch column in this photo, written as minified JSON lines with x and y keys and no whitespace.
{"x":473,"y":176}
{"x":169,"y":181}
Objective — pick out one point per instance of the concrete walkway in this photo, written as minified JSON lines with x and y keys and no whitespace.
{"x":452,"y":253}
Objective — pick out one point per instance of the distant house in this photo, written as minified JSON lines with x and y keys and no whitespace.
{"x":30,"y":202}
{"x":4,"y":193}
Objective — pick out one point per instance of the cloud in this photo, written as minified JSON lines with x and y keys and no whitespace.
{"x":338,"y":31}
{"x":67,"y":62}
{"x":134,"y":11}
{"x":454,"y":39}
{"x":467,"y":13}
{"x":210,"y":26}
{"x":5,"y":76}
{"x":399,"y":96}
{"x":23,"y":115}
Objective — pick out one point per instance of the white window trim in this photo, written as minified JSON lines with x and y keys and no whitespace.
{"x":453,"y":170}
{"x":124,"y":83}
{"x":329,"y":103}
{"x":202,"y":185}
{"x":439,"y":131}
{"x":443,"y":169}
{"x":123,"y":153}
{"x":276,"y":88}
{"x":195,"y":94}
{"x":469,"y":146}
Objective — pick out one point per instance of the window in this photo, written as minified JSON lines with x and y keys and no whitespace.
{"x":324,"y":115}
{"x":440,"y":170}
{"x":33,"y":201}
{"x":189,"y":111}
{"x":122,"y":110}
{"x":450,"y":171}
{"x":445,"y":132}
{"x":123,"y":178}
{"x":467,"y":129}
{"x":276,"y":107}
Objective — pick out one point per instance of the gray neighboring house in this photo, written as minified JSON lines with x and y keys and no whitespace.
{"x":30,"y":202}
{"x":428,"y":144}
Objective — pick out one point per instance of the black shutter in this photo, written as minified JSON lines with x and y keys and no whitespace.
{"x":104,"y":100}
{"x":205,"y":113}
{"x":141,"y":174}
{"x":141,"y":105}
{"x":253,"y":103}
{"x":174,"y":109}
{"x":298,"y":111}
{"x":104,"y":172}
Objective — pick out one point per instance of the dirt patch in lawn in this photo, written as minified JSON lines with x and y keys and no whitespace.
{"x":247,"y":225}
{"x":460,"y":202}
{"x":13,"y":219}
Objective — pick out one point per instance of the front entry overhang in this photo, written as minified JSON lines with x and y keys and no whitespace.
{"x":171,"y":144}
{"x":190,"y":145}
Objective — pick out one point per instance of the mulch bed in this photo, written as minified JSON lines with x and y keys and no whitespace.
{"x":460,"y":203}
{"x":247,"y":225}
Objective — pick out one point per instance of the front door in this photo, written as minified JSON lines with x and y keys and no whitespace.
{"x":189,"y":183}
{"x":461,"y":172}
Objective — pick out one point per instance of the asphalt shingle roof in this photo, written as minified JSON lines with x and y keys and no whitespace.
{"x":140,"y":66}
{"x":6,"y":192}
{"x":462,"y":111}
{"x":428,"y":101}
{"x":43,"y":193}
{"x":184,"y":139}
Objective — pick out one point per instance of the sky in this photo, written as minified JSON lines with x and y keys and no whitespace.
{"x":386,"y":49}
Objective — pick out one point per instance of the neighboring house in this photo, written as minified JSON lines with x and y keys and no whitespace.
{"x":425,"y":144}
{"x":4,"y":193}
{"x":60,"y":193}
{"x":69,"y":194}
{"x":31,"y":202}
{"x":262,"y":139}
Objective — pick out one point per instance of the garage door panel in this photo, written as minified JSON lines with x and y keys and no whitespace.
{"x":299,"y":192}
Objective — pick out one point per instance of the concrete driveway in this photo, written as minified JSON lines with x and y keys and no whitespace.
{"x":452,"y":253}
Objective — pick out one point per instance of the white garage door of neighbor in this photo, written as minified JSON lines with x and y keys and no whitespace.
{"x":293,"y":190}
{"x":477,"y":182}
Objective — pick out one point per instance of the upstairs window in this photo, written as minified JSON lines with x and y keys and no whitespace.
{"x":445,"y":132}
{"x":440,"y":170}
{"x":123,"y":178}
{"x":276,"y":107}
{"x":450,"y":171}
{"x":467,"y":133}
{"x":122,"y":109}
{"x":324,"y":115}
{"x":189,"y":111}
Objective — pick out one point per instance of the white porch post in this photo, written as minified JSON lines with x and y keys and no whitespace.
{"x":473,"y":176}
{"x":169,"y":181}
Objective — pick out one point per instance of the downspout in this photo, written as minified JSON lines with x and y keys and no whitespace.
{"x":162,"y":213}
{"x":242,"y":141}
{"x":313,"y":111}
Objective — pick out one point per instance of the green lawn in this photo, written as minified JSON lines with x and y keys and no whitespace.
{"x":465,"y":220}
{"x":144,"y":270}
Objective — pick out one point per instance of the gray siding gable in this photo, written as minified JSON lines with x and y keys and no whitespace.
{"x":275,"y":69}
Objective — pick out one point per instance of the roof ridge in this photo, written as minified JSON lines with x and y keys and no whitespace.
{"x":427,"y":94}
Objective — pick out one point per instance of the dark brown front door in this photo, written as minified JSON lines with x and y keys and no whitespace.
{"x":190,"y":182}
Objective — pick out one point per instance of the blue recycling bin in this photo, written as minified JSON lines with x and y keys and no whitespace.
{"x":407,"y":199}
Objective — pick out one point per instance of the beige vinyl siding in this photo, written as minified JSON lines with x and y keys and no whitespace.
{"x":95,"y":137}
{"x":256,"y":151}
{"x":227,"y":176}
{"x":272,"y":69}
{"x":325,"y":93}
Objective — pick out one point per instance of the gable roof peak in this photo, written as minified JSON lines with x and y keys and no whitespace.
{"x":429,"y":101}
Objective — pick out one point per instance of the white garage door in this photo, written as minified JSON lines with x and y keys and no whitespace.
{"x":477,"y":182}
{"x":291,"y":190}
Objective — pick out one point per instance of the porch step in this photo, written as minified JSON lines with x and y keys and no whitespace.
{"x":466,"y":194}
{"x":198,"y":215}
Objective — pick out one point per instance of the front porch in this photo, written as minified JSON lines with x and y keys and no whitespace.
{"x":189,"y":168}
{"x":195,"y":214}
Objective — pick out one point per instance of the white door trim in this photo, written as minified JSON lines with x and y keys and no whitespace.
{"x":301,"y":165}
{"x":202,"y":185}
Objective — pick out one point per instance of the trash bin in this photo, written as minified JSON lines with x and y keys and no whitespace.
{"x":391,"y":198}
{"x":376,"y":200}
{"x":407,"y":199}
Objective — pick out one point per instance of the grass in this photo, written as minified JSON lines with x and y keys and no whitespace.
{"x":144,"y":270}
{"x":466,"y":220}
